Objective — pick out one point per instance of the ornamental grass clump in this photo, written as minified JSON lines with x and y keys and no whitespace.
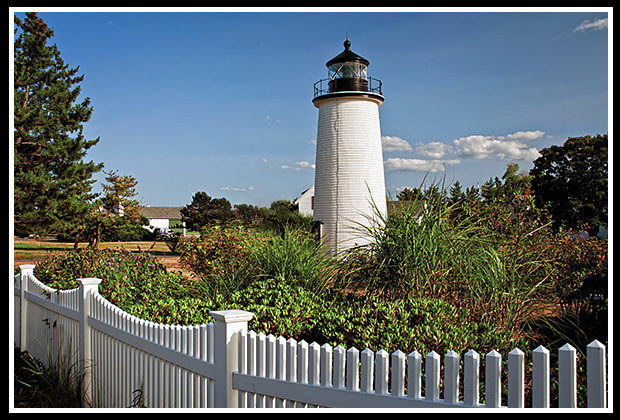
{"x":295,"y":257}
{"x":431,"y":248}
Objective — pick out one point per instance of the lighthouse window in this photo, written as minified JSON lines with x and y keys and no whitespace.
{"x":348,"y":70}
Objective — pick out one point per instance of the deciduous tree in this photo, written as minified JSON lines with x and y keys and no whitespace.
{"x":572,"y":181}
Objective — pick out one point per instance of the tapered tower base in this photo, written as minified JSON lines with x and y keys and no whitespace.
{"x":349,"y":176}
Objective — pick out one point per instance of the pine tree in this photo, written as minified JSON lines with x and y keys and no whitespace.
{"x":52,"y":183}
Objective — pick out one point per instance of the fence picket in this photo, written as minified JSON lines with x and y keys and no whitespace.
{"x":398,"y":373}
{"x":291,"y":365}
{"x":326,"y":365}
{"x":271,"y":364}
{"x":353,"y":369}
{"x":314,"y":364}
{"x":280,"y":365}
{"x":261,"y":370}
{"x":382,"y":368}
{"x":367,"y":371}
{"x":302,"y":365}
{"x":339,"y":367}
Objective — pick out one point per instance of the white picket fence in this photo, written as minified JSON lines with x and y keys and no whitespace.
{"x":222,"y":364}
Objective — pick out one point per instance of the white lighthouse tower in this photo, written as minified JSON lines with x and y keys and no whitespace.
{"x":349,"y":180}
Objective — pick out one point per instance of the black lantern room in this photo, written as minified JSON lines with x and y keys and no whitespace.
{"x":347,"y":72}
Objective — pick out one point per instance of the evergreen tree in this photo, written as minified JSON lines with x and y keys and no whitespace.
{"x":456,"y":193}
{"x":52,"y":183}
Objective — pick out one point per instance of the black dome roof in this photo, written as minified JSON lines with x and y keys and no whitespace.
{"x":347,"y":55}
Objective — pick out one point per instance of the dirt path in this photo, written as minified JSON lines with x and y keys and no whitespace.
{"x":171,"y":262}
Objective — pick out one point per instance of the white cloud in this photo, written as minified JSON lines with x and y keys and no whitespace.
{"x":434,"y":149}
{"x":298,"y":166}
{"x":394,"y":144}
{"x":511,"y":146}
{"x":597,"y":25}
{"x":435,"y":165}
{"x":250,"y":188}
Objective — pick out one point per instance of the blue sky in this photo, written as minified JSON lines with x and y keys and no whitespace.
{"x":189,"y":100}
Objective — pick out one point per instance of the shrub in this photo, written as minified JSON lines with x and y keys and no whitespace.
{"x":219,"y":258}
{"x":134,"y":281}
{"x":421,"y":324}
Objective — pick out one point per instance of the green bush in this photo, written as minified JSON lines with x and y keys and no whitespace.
{"x":134,"y":281}
{"x":220,"y":258}
{"x":408,"y":324}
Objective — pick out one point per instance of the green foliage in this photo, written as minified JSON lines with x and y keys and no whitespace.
{"x":447,"y":272}
{"x":124,"y":229}
{"x":220,"y":258}
{"x":490,"y":257}
{"x":134,"y":281}
{"x":421,"y":324}
{"x":572,"y":180}
{"x":55,"y":385}
{"x":204,"y":211}
{"x":283,"y":215}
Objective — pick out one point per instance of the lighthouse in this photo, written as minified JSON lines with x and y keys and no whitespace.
{"x":349,"y":180}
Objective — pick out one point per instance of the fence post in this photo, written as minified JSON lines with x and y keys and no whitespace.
{"x":25,"y":272}
{"x":567,"y":376}
{"x":451,"y":381}
{"x":492,"y":381}
{"x":88,"y":286}
{"x":516,"y":378}
{"x":471,"y":378}
{"x":227,"y":326}
{"x":597,"y":395}
{"x":540,"y":377}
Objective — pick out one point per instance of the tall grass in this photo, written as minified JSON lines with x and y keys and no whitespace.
{"x":432,"y":248}
{"x":56,"y":384}
{"x":227,"y":259}
{"x":294,"y":256}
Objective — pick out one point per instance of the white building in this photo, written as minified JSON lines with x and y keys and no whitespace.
{"x":305,"y":203}
{"x":162,"y":218}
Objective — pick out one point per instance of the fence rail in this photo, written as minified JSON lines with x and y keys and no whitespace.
{"x":222,"y":364}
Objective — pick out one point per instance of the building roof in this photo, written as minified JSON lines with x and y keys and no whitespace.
{"x":172,"y":213}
